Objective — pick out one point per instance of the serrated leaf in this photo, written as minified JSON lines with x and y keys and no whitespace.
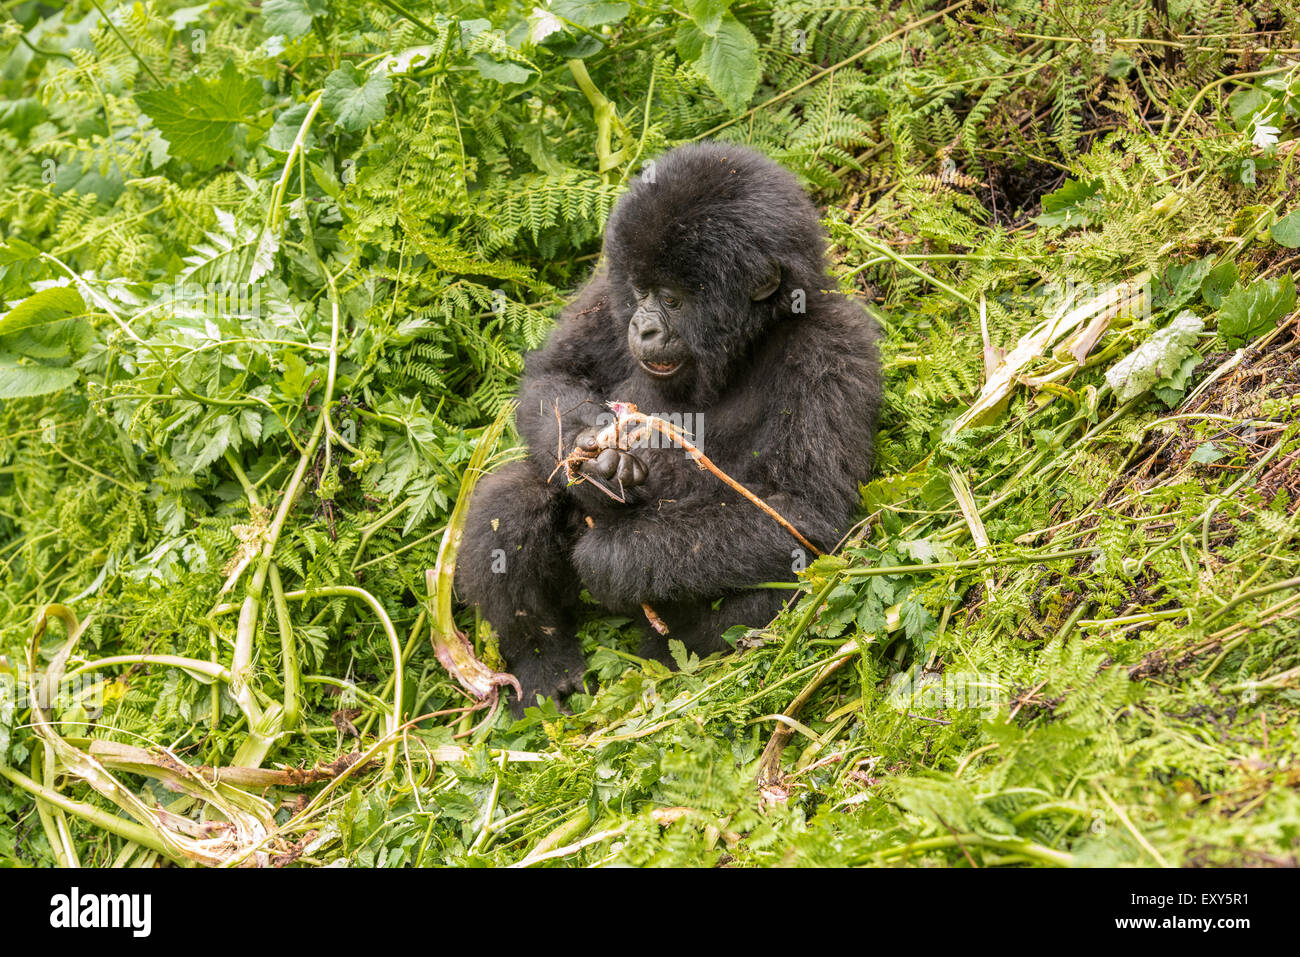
{"x":14,"y":250}
{"x":1070,"y":205}
{"x":589,"y":13}
{"x":354,"y":100}
{"x":888,"y":489}
{"x":207,"y":447}
{"x":201,"y":118}
{"x":48,"y":305}
{"x":23,"y":381}
{"x":728,"y":59}
{"x":918,"y":623}
{"x":687,"y":662}
{"x":1182,"y":281}
{"x":1217,"y":284}
{"x":1286,"y":231}
{"x":250,"y":423}
{"x":1121,"y":64}
{"x":292,"y":18}
{"x":1170,"y":389}
{"x":707,"y":14}
{"x":1158,"y":357}
{"x":1251,"y":311}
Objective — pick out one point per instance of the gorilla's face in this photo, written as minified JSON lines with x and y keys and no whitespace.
{"x":703,"y":258}
{"x":677,"y":336}
{"x":654,"y":333}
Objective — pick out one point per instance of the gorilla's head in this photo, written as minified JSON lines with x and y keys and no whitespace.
{"x":709,"y":247}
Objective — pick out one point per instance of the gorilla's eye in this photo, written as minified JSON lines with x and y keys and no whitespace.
{"x":672,"y":302}
{"x":638,"y":293}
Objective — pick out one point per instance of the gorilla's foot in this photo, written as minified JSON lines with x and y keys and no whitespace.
{"x":555,"y":675}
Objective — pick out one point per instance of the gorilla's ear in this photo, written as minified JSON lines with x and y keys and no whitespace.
{"x":768,"y":284}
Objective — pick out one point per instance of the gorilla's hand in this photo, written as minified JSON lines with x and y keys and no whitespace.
{"x":611,"y":467}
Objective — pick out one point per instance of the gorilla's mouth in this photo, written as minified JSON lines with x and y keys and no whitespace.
{"x":660,"y":370}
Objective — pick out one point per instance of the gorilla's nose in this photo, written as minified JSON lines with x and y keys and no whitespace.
{"x":650,"y":330}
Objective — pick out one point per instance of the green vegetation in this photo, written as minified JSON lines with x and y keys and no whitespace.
{"x":266,"y":275}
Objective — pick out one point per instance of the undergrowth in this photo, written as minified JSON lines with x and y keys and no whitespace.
{"x":1064,"y":632}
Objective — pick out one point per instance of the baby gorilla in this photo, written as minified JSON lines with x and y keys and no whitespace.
{"x":714,"y":310}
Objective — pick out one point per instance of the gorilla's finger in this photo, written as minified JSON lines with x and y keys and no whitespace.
{"x":587,"y":441}
{"x":631,"y":471}
{"x":604,"y":465}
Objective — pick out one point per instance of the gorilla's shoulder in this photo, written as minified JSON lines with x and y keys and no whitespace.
{"x":840,"y":323}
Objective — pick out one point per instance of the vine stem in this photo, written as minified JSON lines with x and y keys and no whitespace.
{"x":352,"y":591}
{"x":1191,"y":107}
{"x":288,"y":654}
{"x":112,"y":823}
{"x":299,"y":142}
{"x":241,"y":662}
{"x":885,"y":251}
{"x":1018,"y":846}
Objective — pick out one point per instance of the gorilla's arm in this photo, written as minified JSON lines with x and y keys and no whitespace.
{"x":701,"y":548}
{"x":816,"y":430}
{"x":573,"y":373}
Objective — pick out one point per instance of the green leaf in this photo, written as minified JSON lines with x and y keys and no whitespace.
{"x":291,"y":17}
{"x":1181,"y":282}
{"x":19,"y":116}
{"x":731,"y":636}
{"x":1252,"y":311}
{"x":48,"y":305}
{"x":1121,"y":64}
{"x":918,"y":623}
{"x":728,"y":59}
{"x":707,"y":14}
{"x":8,"y":695}
{"x":1070,"y":205}
{"x":50,"y":340}
{"x":184,"y":16}
{"x":687,"y":662}
{"x":1286,"y":231}
{"x":285,"y":129}
{"x":22,"y":381}
{"x":1216,"y":285}
{"x":354,"y":100}
{"x":1244,"y":105}
{"x":1170,"y":389}
{"x":502,"y":72}
{"x":14,"y":250}
{"x":1206,"y":453}
{"x":888,"y":489}
{"x":589,"y":13}
{"x":1157,"y":358}
{"x":208,"y":446}
{"x":201,"y":119}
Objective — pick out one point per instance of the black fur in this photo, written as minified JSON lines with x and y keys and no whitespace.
{"x":788,"y":399}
